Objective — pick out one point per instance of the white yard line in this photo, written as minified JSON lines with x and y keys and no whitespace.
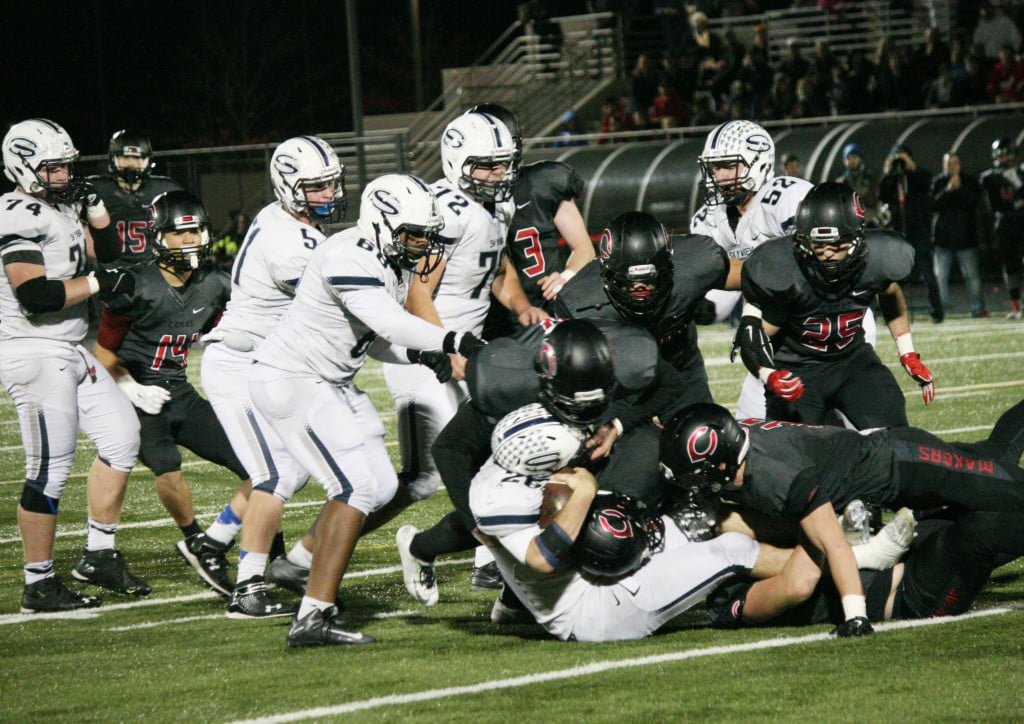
{"x":589,"y":669}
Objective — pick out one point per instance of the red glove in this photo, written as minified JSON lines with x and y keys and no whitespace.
{"x":784,"y":384}
{"x":912,"y":363}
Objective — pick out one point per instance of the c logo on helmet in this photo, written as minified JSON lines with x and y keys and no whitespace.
{"x":23,"y":148}
{"x":454,"y":138}
{"x":384,"y":202}
{"x":857,"y":207}
{"x":547,"y":363}
{"x":606,"y":244}
{"x":615,"y":522}
{"x":702,"y":444}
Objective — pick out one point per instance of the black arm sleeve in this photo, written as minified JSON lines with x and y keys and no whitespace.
{"x":40,"y":294}
{"x":753,"y":344}
{"x":106,"y":243}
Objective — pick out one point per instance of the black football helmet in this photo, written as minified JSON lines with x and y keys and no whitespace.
{"x":634,"y":248}
{"x":1002,"y":147}
{"x":831,"y":213}
{"x":614,"y":539}
{"x":576,"y":372}
{"x":507,"y":117}
{"x":128,"y":144}
{"x":179,"y":211}
{"x":702,"y":448}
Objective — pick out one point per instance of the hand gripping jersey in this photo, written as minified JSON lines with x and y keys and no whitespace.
{"x":349,"y":295}
{"x":474,"y":238}
{"x":153,"y":330}
{"x":266,"y":270}
{"x":533,"y":238}
{"x":810,"y":326}
{"x":33,"y":231}
{"x":770,"y":214}
{"x":129,"y":212}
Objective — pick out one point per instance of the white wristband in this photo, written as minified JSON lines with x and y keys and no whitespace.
{"x":96,"y":212}
{"x":763,"y":373}
{"x":855,"y":606}
{"x":617,"y":424}
{"x":567,"y":274}
{"x":94,"y":286}
{"x":904,"y":344}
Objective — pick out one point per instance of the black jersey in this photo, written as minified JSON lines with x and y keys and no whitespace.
{"x":164,"y":322}
{"x":699,"y":265}
{"x":793,"y":469}
{"x":809,"y":325}
{"x":1005,"y":198}
{"x":533,"y":239}
{"x":129,"y":212}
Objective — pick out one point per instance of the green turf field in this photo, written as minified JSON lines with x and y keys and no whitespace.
{"x":173,"y":656}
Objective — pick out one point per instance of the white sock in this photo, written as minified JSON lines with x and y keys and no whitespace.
{"x":226,"y":527}
{"x":308,"y":605}
{"x":482,"y":557}
{"x":35,"y":572}
{"x":100,"y":536}
{"x":883,"y":550}
{"x":301,"y":556}
{"x":250,"y":564}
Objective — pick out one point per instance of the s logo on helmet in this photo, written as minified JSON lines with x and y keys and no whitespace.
{"x":615,"y":522}
{"x":23,"y":148}
{"x":606,"y":244}
{"x":857,"y":207}
{"x":454,"y":138}
{"x":547,"y":364}
{"x":758,"y":143}
{"x":702,"y":444}
{"x":285,"y":165}
{"x":384,"y":202}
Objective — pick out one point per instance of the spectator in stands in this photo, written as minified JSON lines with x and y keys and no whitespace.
{"x":672,"y":19}
{"x":791,"y":165}
{"x":727,"y":69}
{"x":906,"y":188}
{"x":643,"y":88}
{"x":929,"y":57}
{"x":704,"y":110}
{"x":669,"y":109}
{"x":822,"y":65}
{"x":976,"y":76}
{"x":1006,"y":79}
{"x":862,"y":180}
{"x":896,"y":89}
{"x":783,"y":95}
{"x":995,"y":30}
{"x":944,"y":91}
{"x":756,"y":74}
{"x":615,"y":117}
{"x":860,"y":81}
{"x":709,"y":50}
{"x":955,"y":200}
{"x":794,"y":64}
{"x":568,"y":135}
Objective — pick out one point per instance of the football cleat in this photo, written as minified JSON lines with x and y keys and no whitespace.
{"x":51,"y":595}
{"x":320,"y":628}
{"x":856,"y":522}
{"x":285,"y":574}
{"x":509,"y":610}
{"x":206,"y":556}
{"x":251,"y":600}
{"x":854,"y":627}
{"x":418,"y":575}
{"x":108,"y":569}
{"x":485,"y":578}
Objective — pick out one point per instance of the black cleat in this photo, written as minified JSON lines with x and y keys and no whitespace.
{"x":485,"y":578}
{"x":207,"y":557}
{"x":108,"y":569}
{"x":319,"y":628}
{"x":51,"y":595}
{"x":853,"y":627}
{"x":251,"y":600}
{"x":285,"y":574}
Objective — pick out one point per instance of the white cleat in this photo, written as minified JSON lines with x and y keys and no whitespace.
{"x":418,"y":575}
{"x":892,"y":542}
{"x":856,"y":522}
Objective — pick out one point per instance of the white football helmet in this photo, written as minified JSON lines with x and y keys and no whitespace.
{"x":741,"y":142}
{"x":304,"y":162}
{"x":531,"y":441}
{"x":34,"y":143}
{"x":479,"y":140}
{"x":397,"y":203}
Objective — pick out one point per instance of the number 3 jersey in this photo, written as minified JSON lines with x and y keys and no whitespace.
{"x":34,"y":232}
{"x":474,"y":239}
{"x":811,"y":326}
{"x":152,"y":330}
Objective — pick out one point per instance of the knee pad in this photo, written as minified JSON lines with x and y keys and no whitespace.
{"x":35,"y":501}
{"x":423,"y":486}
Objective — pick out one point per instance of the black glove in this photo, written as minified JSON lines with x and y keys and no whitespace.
{"x":85,"y":192}
{"x":437,"y":361}
{"x":857,"y":626}
{"x":468,"y":344}
{"x":704,"y":311}
{"x":113,"y":283}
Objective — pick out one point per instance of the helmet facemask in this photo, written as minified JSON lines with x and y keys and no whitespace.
{"x":407,"y":256}
{"x":725,"y":189}
{"x":747,"y":152}
{"x":178,"y":211}
{"x":832,"y":278}
{"x":489,"y":190}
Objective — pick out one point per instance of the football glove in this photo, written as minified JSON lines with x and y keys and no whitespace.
{"x":148,"y":398}
{"x":113,"y":282}
{"x":463,"y":343}
{"x":439,"y":362}
{"x":857,"y":626}
{"x":784,"y":384}
{"x":912,"y":363}
{"x":92,"y":203}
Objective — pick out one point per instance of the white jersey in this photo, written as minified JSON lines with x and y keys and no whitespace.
{"x":474,"y":239}
{"x":266,"y":270}
{"x":507,"y":506}
{"x":31,"y":230}
{"x":770,"y":214}
{"x":347,"y":297}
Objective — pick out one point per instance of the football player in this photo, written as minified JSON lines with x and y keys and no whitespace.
{"x":1004,"y":184}
{"x":144,"y":340}
{"x":128,"y":188}
{"x":56,"y":384}
{"x":309,"y":185}
{"x":453,"y":289}
{"x":805,"y":473}
{"x":347,"y":305}
{"x":806,"y":295}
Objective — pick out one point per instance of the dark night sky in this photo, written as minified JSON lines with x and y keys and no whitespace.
{"x":195,"y":73}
